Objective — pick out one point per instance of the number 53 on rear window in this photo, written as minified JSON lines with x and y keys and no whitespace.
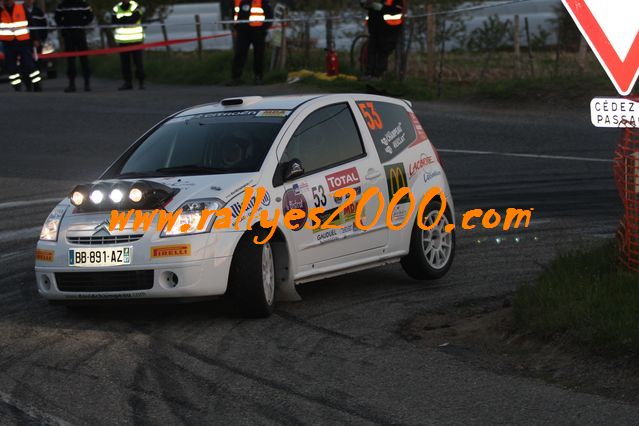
{"x":373,"y":120}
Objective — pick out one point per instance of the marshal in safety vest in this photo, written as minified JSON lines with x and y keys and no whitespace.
{"x":14,"y":26}
{"x":133,"y":32}
{"x":256,"y":15}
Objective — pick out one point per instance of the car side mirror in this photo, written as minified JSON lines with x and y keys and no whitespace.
{"x":293,"y":169}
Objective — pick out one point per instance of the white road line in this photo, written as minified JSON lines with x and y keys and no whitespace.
{"x":514,"y":154}
{"x":20,"y":234}
{"x":26,"y":203}
{"x":31,"y":411}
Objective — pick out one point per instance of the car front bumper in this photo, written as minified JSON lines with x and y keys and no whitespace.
{"x":204,"y":272}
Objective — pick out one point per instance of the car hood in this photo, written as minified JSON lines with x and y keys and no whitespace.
{"x":222,"y":186}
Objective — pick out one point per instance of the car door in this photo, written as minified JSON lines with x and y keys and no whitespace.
{"x":329,"y":145}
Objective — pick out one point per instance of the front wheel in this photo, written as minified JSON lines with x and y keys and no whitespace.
{"x":431,"y":252}
{"x":252,"y":278}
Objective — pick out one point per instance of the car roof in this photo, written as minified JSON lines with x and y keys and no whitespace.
{"x":243,"y":103}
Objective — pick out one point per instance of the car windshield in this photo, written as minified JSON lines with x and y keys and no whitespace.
{"x":213,"y":143}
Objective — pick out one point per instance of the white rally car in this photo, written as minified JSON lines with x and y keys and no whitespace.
{"x":301,"y":149}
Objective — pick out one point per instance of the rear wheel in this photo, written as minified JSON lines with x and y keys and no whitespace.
{"x":252,"y":278}
{"x":431,"y":252}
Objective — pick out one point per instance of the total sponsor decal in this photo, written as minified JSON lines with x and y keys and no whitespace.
{"x":45,"y":255}
{"x":343,"y":178}
{"x":416,"y":166}
{"x":171,"y":251}
{"x":237,"y":207}
{"x":293,"y":200}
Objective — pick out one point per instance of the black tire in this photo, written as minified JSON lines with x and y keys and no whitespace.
{"x":415,"y":263}
{"x":246,"y":282}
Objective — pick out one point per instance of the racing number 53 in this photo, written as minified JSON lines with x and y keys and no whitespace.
{"x":373,"y":120}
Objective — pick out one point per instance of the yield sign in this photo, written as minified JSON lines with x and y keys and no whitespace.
{"x":611,"y":28}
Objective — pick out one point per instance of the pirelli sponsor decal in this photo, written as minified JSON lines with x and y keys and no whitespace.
{"x":171,"y":251}
{"x":44,"y":255}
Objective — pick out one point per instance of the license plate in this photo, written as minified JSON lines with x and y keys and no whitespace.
{"x":100,"y":257}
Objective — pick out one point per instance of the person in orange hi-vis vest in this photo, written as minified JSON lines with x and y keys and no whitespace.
{"x":253,"y":18}
{"x":15,"y":37}
{"x":385,"y":21}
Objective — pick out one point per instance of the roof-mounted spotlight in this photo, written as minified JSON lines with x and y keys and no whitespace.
{"x":116,"y":195}
{"x":79,"y":195}
{"x":96,"y":196}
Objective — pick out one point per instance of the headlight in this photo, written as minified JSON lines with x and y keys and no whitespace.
{"x":191,"y":216}
{"x":50,"y":228}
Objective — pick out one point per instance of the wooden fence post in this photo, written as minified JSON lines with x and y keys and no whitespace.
{"x":581,"y":55}
{"x":530,"y":51}
{"x":431,"y":47}
{"x":198,"y":32}
{"x":165,"y":35}
{"x":516,"y":46}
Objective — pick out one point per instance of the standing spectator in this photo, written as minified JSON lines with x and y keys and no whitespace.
{"x":127,"y":13}
{"x":75,"y":13}
{"x":15,"y":37}
{"x":385,"y":21}
{"x":36,"y":20}
{"x":256,"y":12}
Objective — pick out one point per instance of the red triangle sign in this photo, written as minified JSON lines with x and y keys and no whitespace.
{"x":612,"y":31}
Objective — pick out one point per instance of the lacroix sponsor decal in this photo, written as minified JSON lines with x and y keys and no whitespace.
{"x":342,"y":178}
{"x":44,"y":255}
{"x":171,"y":251}
{"x":416,"y":166}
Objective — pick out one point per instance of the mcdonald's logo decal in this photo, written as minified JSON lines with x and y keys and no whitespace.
{"x":396,"y":180}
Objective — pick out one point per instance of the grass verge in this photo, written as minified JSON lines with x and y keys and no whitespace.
{"x":214,"y":67}
{"x":586,"y":297}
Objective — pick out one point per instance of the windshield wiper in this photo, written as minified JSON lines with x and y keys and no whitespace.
{"x":192,"y":169}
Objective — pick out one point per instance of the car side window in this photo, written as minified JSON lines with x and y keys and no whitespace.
{"x":391,"y":126}
{"x":327,"y":137}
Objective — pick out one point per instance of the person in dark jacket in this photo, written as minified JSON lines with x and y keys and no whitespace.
{"x":37,"y":23}
{"x":258,"y":13}
{"x":38,"y":36}
{"x":385,"y":21}
{"x":127,"y":13}
{"x":75,"y":13}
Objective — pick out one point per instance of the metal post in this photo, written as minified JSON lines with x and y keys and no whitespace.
{"x":198,"y":32}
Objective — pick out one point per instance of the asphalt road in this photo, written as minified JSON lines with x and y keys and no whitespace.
{"x":337,"y":356}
